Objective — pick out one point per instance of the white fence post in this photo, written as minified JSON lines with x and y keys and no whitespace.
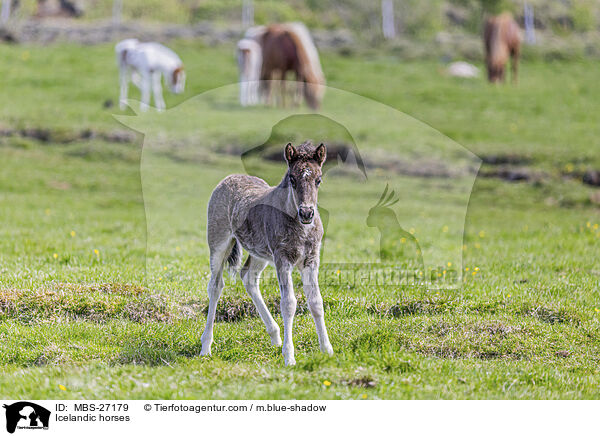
{"x":387,"y":19}
{"x":529,"y":24}
{"x":247,"y":14}
{"x":5,"y":13}
{"x":117,"y":11}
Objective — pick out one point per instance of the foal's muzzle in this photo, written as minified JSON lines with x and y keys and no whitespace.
{"x":306,"y":214}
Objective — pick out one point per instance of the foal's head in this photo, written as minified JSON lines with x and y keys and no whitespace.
{"x":304,"y":177}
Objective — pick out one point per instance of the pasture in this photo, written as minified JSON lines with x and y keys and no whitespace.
{"x":83,"y":315}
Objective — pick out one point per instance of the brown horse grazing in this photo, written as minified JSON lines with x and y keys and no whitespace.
{"x":289,"y":48}
{"x":502,"y":38}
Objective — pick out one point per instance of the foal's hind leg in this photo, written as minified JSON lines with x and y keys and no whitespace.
{"x":218,"y":256}
{"x":250,"y":277}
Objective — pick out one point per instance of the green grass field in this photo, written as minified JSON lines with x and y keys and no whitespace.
{"x":84,"y":315}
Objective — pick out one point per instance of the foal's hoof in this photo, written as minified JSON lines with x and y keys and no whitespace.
{"x":327,"y":349}
{"x":276,"y":340}
{"x":290,"y":361}
{"x":275,"y":336}
{"x":205,"y":351}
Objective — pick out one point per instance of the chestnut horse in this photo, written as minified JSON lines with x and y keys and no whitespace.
{"x":289,"y":48}
{"x":502,"y":38}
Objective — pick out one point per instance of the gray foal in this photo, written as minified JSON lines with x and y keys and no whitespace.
{"x":278,"y":225}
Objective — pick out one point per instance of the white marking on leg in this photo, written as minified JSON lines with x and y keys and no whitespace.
{"x":288,"y":309}
{"x":251,"y":280}
{"x":215,"y":288}
{"x":310,"y":282}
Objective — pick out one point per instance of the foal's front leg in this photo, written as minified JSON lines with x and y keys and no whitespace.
{"x":310,"y":283}
{"x":288,"y":309}
{"x":250,"y":277}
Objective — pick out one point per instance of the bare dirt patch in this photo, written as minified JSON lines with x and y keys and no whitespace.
{"x":550,"y":315}
{"x":58,"y":136}
{"x":505,"y":159}
{"x":510,"y":167}
{"x":427,"y":168}
{"x":340,"y":151}
{"x":591,"y":177}
{"x":153,"y":308}
{"x":512,"y":174}
{"x":232,"y":309}
{"x":52,"y":355}
{"x":481,"y":340}
{"x":364,"y":381}
{"x":406,"y":308}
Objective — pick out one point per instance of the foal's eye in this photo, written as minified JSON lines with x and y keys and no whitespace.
{"x":318,"y":181}
{"x":293,"y":182}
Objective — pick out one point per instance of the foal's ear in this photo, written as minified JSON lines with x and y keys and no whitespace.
{"x":290,"y":153}
{"x":320,"y":154}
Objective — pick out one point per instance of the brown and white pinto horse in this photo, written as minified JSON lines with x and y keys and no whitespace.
{"x":289,"y":47}
{"x":502,"y":38}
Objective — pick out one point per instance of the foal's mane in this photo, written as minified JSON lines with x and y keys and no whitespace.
{"x":305,"y":152}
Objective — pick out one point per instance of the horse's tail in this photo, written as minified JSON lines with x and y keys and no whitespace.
{"x":234,"y":260}
{"x":249,"y":58}
{"x":310,"y":65}
{"x":123,"y":47}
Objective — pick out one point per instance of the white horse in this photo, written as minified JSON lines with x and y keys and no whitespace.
{"x":249,"y":56}
{"x":144,"y":64}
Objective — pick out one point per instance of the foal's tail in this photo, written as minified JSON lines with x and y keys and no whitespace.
{"x":234,"y":260}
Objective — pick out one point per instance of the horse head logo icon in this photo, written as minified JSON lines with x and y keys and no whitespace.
{"x":393,"y":238}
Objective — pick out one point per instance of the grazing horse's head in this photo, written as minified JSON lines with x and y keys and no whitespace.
{"x":177,"y":84}
{"x":304,"y":177}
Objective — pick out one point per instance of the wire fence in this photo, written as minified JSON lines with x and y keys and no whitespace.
{"x":387,"y":18}
{"x":411,"y":28}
